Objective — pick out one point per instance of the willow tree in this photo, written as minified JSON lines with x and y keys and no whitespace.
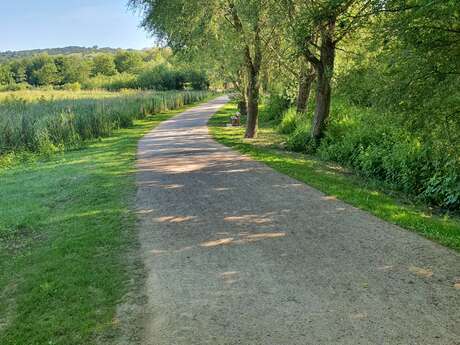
{"x":241,"y":26}
{"x":317,"y":27}
{"x":287,"y":65}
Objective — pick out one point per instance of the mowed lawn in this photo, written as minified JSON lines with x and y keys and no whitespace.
{"x":337,"y":181}
{"x":66,"y":231}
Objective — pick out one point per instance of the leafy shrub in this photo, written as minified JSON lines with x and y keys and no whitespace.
{"x":275,"y":107}
{"x":197,"y":80}
{"x":72,"y":86}
{"x":112,"y":83}
{"x":15,"y":87}
{"x":163,"y":77}
{"x":300,"y":140}
{"x":289,"y":122}
{"x":443,"y":188}
{"x":379,"y":146}
{"x":358,"y":86}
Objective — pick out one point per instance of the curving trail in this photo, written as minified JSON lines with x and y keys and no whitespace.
{"x":237,"y":253}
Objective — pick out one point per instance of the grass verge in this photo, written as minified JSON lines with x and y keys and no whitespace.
{"x":335,"y":180}
{"x":66,"y":225}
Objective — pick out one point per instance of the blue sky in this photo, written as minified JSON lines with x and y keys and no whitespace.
{"x":31,"y":24}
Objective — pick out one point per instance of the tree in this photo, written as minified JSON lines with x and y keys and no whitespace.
{"x":251,"y":39}
{"x":19,"y":71}
{"x":317,"y":28}
{"x":104,"y":64}
{"x":41,"y":70}
{"x":46,"y":75}
{"x":6,"y":75}
{"x":197,"y":80}
{"x":72,"y":69}
{"x":127,"y":61}
{"x":191,"y":25}
{"x":306,"y":77}
{"x":418,"y":56}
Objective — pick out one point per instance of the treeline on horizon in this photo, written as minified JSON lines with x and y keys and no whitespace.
{"x":154,"y":69}
{"x":15,"y":54}
{"x":371,"y":84}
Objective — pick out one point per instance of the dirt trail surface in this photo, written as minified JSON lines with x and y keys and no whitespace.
{"x":237,"y":253}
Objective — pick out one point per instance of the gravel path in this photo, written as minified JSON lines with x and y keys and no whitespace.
{"x":237,"y":253}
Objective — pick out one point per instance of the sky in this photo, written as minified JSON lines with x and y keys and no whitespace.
{"x":33,"y":24}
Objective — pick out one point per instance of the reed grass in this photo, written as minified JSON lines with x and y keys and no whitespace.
{"x":49,"y":121}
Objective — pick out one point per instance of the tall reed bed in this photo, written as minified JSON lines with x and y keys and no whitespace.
{"x":42,"y":123}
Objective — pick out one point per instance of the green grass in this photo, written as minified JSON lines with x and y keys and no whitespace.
{"x":334,"y":180}
{"x":66,"y":229}
{"x":59,"y":121}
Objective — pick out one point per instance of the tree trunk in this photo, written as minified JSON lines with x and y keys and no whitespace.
{"x":243,"y":104}
{"x":242,"y":107}
{"x":323,"y":103}
{"x":324,"y":71}
{"x":253,"y":66}
{"x":253,"y":104}
{"x":306,"y":78}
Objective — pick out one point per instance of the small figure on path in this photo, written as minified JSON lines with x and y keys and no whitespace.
{"x":236,"y":119}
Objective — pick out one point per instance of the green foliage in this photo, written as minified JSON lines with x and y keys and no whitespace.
{"x":377,"y":146}
{"x":72,"y":69}
{"x":45,"y":75}
{"x":112,"y":83}
{"x":162,"y":77}
{"x":300,"y":140}
{"x":380,"y":146}
{"x":275,"y":106}
{"x":395,"y":116}
{"x":19,"y":70}
{"x":289,"y":122}
{"x":128,"y":61}
{"x":47,"y":125}
{"x":6,"y":75}
{"x":71,"y":50}
{"x":405,"y":128}
{"x":104,"y":64}
{"x":149,"y":69}
{"x":76,"y":86}
{"x":197,"y":80}
{"x":15,"y":87}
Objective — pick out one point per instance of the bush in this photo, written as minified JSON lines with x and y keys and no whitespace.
{"x":163,"y":77}
{"x":16,"y":87}
{"x":300,"y":140}
{"x":111,"y":83}
{"x":377,"y":145}
{"x":197,"y":80}
{"x":288,"y":122}
{"x":275,"y":107}
{"x":443,"y":188}
{"x":72,"y":86}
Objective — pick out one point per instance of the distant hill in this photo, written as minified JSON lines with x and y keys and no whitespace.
{"x":9,"y":55}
